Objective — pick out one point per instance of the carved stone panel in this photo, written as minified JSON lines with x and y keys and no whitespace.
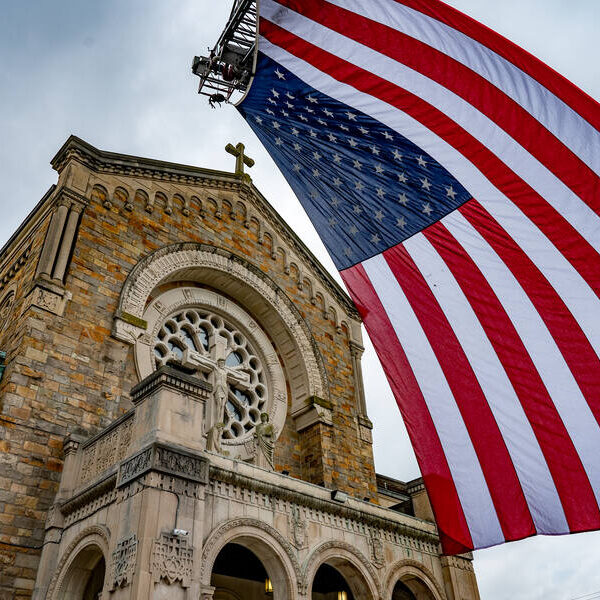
{"x":172,"y":560}
{"x":297,"y":528}
{"x":123,"y":562}
{"x":376,"y":545}
{"x":159,"y":458}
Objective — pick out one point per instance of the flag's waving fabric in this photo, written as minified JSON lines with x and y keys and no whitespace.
{"x":455,"y":182}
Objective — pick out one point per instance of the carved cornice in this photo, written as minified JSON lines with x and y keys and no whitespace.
{"x":15,"y":267}
{"x":167,"y":460}
{"x":113,"y":163}
{"x":173,"y":378}
{"x":89,"y":494}
{"x":101,"y":161}
{"x":305,"y":499}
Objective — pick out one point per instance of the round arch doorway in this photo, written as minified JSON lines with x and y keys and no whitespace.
{"x":330,"y":584}
{"x":84,"y":579}
{"x":238,"y":573}
{"x":402,"y":592}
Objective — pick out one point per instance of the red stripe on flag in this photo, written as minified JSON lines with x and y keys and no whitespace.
{"x":568,"y":335}
{"x":561,"y":87}
{"x":568,"y":241}
{"x":570,"y":479}
{"x":496,"y":463}
{"x":467,"y":84}
{"x":450,"y":518}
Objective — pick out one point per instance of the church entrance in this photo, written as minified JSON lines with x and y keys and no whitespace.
{"x":402,"y":592}
{"x":239,"y":574}
{"x":329,"y":584}
{"x":84,"y":579}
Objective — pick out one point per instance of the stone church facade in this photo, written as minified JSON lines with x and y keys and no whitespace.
{"x":182,"y":407}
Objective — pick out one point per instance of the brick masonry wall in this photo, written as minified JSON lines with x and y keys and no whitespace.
{"x":67,"y":374}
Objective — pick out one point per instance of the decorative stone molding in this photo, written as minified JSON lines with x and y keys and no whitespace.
{"x":102,"y":491}
{"x":173,"y":378}
{"x":344,"y":551}
{"x":97,"y":535}
{"x":106,"y":449}
{"x":15,"y":267}
{"x":161,"y":458}
{"x":164,"y":265}
{"x":124,"y":558}
{"x":326,"y":506}
{"x":457,"y":562}
{"x":228,"y":531}
{"x":172,"y":560}
{"x":376,"y":546}
{"x":409,"y":569}
{"x":298,"y":526}
{"x":47,"y":296}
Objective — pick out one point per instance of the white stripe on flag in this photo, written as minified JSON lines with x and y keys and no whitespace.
{"x":584,"y":220}
{"x":549,"y":362}
{"x":564,"y":278}
{"x":557,"y":116}
{"x":462,"y":460}
{"x":531,"y":467}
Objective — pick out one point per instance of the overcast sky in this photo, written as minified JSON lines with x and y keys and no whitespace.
{"x":117,"y":73}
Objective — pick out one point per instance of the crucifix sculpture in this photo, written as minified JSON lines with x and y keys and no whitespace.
{"x":222,"y":377}
{"x":240,"y":158}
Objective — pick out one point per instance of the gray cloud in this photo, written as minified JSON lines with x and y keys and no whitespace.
{"x":118,"y":74}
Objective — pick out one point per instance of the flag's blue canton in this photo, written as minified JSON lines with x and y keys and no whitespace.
{"x":364,"y":186}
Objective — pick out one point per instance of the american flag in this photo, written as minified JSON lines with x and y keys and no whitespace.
{"x":454,"y":180}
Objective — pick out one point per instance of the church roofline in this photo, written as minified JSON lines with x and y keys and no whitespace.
{"x":112,"y":162}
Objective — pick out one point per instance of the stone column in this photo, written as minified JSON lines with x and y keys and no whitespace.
{"x":356,"y":352}
{"x":67,"y":243}
{"x":459,"y":577}
{"x":52,"y":240}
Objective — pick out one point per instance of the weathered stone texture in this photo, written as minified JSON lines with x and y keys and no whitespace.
{"x":67,"y":374}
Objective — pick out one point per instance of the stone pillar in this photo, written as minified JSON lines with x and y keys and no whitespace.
{"x":356,"y":352}
{"x":52,"y":241}
{"x":67,"y":243}
{"x":55,"y":520}
{"x":170,"y":407}
{"x":459,"y":577}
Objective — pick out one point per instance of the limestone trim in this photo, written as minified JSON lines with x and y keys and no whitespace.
{"x":237,"y":530}
{"x":336,"y":551}
{"x":76,"y":150}
{"x":308,"y":497}
{"x":96,"y":535}
{"x":411,"y":569}
{"x":207,"y":264}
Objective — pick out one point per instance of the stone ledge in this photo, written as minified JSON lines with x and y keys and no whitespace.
{"x":164,"y":459}
{"x":173,"y":378}
{"x":318,"y":498}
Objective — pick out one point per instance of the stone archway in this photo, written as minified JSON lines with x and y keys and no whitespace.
{"x":266,"y":543}
{"x":419,"y":580}
{"x":243,"y":282}
{"x":355,"y":568}
{"x":80,"y":574}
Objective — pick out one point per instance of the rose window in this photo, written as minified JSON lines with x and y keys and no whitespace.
{"x":220,"y":353}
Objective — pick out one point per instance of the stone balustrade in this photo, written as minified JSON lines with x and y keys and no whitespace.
{"x":104,"y":450}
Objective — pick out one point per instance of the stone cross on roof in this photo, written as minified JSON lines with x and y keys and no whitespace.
{"x":240,"y":158}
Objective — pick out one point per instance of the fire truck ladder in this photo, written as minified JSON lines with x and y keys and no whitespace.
{"x":228,"y":69}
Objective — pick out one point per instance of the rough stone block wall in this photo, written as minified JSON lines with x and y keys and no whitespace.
{"x":66,"y":373}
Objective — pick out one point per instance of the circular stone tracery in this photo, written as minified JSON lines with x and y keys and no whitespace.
{"x":214,"y":338}
{"x":197,"y":330}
